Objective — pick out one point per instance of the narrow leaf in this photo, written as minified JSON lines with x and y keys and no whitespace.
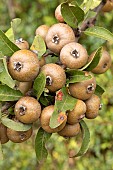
{"x":1,"y":66}
{"x":63,"y":103}
{"x":39,"y":46}
{"x":1,"y":152}
{"x":73,"y":72}
{"x":41,"y":139}
{"x":11,"y":31}
{"x":78,"y":78}
{"x":73,"y":2}
{"x":99,"y":32}
{"x":18,"y":126}
{"x":6,"y":46}
{"x":8,"y":94}
{"x":99,"y":90}
{"x":10,"y":34}
{"x":39,"y":84}
{"x":15,"y":23}
{"x":87,"y":6}
{"x":5,"y":77}
{"x":72,"y":14}
{"x":94,"y":61}
{"x":0,"y":110}
{"x":85,"y":142}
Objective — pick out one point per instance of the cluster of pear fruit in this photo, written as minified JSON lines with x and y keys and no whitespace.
{"x":24,"y":66}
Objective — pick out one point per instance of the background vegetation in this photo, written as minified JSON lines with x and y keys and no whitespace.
{"x":100,"y":154}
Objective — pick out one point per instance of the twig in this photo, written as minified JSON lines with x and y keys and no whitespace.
{"x":11,"y":9}
{"x":90,"y":21}
{"x":6,"y":106}
{"x":47,"y":54}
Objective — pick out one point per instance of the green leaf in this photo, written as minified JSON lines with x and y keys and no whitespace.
{"x":73,"y":72}
{"x":6,"y":46}
{"x":99,"y":32}
{"x":18,"y":126}
{"x":87,"y":6}
{"x":1,"y":66}
{"x":10,"y":34}
{"x":51,"y":59}
{"x":5,"y":77}
{"x":72,"y":14}
{"x":15,"y":23}
{"x":39,"y":46}
{"x":46,"y":100}
{"x":39,"y":84}
{"x":85,"y":142}
{"x":0,"y":110}
{"x":41,"y":138}
{"x":1,"y":152}
{"x":99,"y":90}
{"x":94,"y":61}
{"x":63,"y":103}
{"x":90,"y":14}
{"x":74,"y":2}
{"x":8,"y":94}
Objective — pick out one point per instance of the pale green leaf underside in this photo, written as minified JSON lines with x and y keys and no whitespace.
{"x":99,"y":32}
{"x":15,"y":125}
{"x":8,"y":94}
{"x":41,"y":138}
{"x":86,"y":140}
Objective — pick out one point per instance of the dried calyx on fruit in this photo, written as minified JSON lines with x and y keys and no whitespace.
{"x":84,"y":89}
{"x":19,"y":136}
{"x":55,"y":76}
{"x":22,"y":44}
{"x":73,"y":55}
{"x":104,"y":62}
{"x":45,"y":119}
{"x":23,"y":65}
{"x":59,"y":35}
{"x":27,"y":109}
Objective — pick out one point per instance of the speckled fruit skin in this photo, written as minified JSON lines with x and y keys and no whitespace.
{"x":24,"y":86}
{"x":70,"y":130}
{"x":22,"y":44}
{"x":18,"y":136}
{"x":108,"y":6}
{"x":77,"y":113}
{"x":30,"y":65}
{"x":3,"y":134}
{"x":79,"y":89}
{"x":42,"y":31}
{"x":45,"y":119}
{"x":42,"y":62}
{"x":92,"y":107}
{"x":71,"y":61}
{"x":57,"y":75}
{"x":58,"y":14}
{"x":32,"y":112}
{"x":105,"y":59}
{"x":65,"y":34}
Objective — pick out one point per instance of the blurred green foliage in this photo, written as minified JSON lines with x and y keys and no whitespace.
{"x":100,"y":154}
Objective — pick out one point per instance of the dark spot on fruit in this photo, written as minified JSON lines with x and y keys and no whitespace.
{"x":105,"y":65}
